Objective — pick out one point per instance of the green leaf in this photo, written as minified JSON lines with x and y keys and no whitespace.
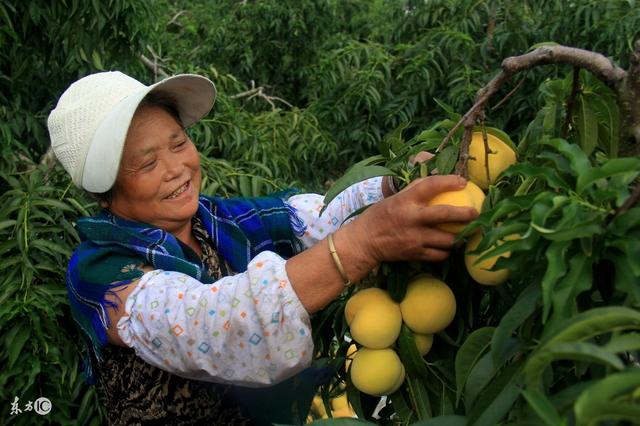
{"x":7,"y":224}
{"x":542,"y":44}
{"x":18,"y":340}
{"x":397,"y":280}
{"x":577,"y":280}
{"x":400,"y":406}
{"x":564,"y":399}
{"x":449,"y":420}
{"x":497,"y":399}
{"x":481,"y":374}
{"x":52,"y":204}
{"x":587,"y":125}
{"x":626,"y":279}
{"x":578,"y":159}
{"x":474,"y":346}
{"x":354,"y":175}
{"x":555,"y":270}
{"x":593,"y":322}
{"x":453,"y":116}
{"x":522,"y":309}
{"x":408,"y":352}
{"x":546,"y":174}
{"x":97,"y":62}
{"x":353,"y":396}
{"x":608,"y":111}
{"x":606,"y":400}
{"x":49,"y":246}
{"x":577,"y":351}
{"x":608,"y":169}
{"x":419,"y":397}
{"x":550,"y":118}
{"x":623,"y":343}
{"x":542,"y":407}
{"x":446,"y":159}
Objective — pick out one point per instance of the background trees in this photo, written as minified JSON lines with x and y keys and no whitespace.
{"x":306,"y":88}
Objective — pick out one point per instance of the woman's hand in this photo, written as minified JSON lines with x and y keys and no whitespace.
{"x":403,"y":227}
{"x":399,"y":228}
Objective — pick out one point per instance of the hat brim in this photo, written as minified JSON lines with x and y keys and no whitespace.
{"x":194,"y":96}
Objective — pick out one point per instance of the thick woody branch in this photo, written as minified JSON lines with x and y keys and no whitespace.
{"x":630,"y":103}
{"x":597,"y":64}
{"x":575,"y":89}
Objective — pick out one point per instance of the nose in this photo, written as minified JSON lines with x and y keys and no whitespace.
{"x":174,"y":169}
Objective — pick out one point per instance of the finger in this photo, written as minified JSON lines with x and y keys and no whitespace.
{"x":436,"y":238}
{"x":435,"y":255}
{"x":428,"y":187}
{"x":433,"y":215}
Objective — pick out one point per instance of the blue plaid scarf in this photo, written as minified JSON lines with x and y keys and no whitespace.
{"x":113,"y":250}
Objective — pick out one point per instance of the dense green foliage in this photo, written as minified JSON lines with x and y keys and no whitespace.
{"x":342,"y":80}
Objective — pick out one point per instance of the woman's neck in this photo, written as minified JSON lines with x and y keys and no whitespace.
{"x":185,"y":234}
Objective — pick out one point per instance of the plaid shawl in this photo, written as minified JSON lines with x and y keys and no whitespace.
{"x":113,"y":250}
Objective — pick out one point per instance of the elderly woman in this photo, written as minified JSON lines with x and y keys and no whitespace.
{"x":182,"y":297}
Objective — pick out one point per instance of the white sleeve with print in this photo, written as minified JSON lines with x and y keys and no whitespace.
{"x":355,"y":197}
{"x":248,"y":329}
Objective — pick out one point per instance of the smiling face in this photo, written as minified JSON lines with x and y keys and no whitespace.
{"x":159,"y":178}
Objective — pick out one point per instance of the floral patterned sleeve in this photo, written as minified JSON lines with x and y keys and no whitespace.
{"x":249,"y":329}
{"x":308,"y":207}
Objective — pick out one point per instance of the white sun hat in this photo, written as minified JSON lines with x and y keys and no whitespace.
{"x":89,"y":125}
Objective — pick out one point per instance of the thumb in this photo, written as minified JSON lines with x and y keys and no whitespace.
{"x":428,"y":187}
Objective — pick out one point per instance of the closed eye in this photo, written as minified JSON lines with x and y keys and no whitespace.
{"x":149,"y":165}
{"x":180,"y":145}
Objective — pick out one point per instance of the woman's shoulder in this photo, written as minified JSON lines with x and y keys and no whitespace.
{"x":103,"y":264}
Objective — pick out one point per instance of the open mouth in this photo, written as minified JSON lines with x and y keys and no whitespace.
{"x":179,"y":191}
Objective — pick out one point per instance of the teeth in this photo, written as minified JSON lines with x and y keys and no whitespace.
{"x":179,"y":191}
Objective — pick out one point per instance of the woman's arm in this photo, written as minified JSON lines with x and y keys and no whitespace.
{"x":248,"y":329}
{"x":401,"y":227}
{"x":318,"y":227}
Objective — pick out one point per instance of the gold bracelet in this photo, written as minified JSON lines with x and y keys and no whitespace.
{"x":336,"y":260}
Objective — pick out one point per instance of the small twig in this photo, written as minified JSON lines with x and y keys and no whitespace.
{"x":153,"y":66}
{"x":175,"y":17}
{"x":485,"y":141}
{"x":461,"y":165}
{"x":481,"y":99}
{"x":575,"y":88}
{"x":259,"y":92}
{"x":508,"y":95}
